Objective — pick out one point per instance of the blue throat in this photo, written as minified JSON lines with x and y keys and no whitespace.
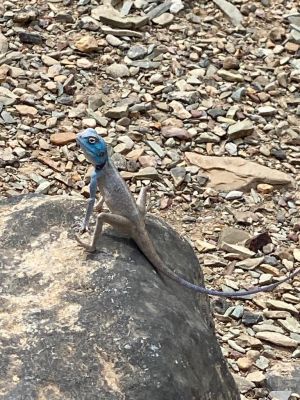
{"x":99,"y":167}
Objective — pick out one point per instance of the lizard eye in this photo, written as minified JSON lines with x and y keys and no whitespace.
{"x":92,"y":140}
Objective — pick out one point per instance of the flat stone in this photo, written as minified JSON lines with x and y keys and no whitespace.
{"x":277,"y":339}
{"x":173,"y":131}
{"x":121,"y":32}
{"x":30,"y":38}
{"x":243,"y":384}
{"x":112,"y":17}
{"x":257,"y":377}
{"x":62,"y":138}
{"x":137,"y":52}
{"x":281,"y":305}
{"x":43,"y":187}
{"x":26,"y":110}
{"x":147,"y":173}
{"x":290,"y":324}
{"x":117,"y":70}
{"x":240,"y":129}
{"x":230,"y":76}
{"x":113,"y":40}
{"x":231,"y":12}
{"x":3,"y":44}
{"x":280,"y":394}
{"x":178,"y":175}
{"x":179,"y":110}
{"x":164,"y":19}
{"x":117,"y":112}
{"x":267,"y":111}
{"x":235,"y":173}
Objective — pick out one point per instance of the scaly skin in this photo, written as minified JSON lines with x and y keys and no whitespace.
{"x":129,"y":216}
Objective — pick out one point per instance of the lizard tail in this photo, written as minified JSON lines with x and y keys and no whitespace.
{"x":146,"y":246}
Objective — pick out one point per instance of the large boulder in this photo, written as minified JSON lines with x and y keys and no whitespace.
{"x":103,"y":326}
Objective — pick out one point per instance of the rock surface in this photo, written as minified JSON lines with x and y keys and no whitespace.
{"x":236,"y":173}
{"x":104,"y":325}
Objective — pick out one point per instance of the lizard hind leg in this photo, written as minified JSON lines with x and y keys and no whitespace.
{"x":142,"y":200}
{"x":115,"y":220}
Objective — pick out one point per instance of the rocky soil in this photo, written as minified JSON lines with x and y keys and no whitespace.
{"x":201,"y":101}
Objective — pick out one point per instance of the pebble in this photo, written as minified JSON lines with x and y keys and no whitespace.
{"x":277,"y":339}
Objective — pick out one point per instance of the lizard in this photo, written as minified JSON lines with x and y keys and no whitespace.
{"x":128,"y":215}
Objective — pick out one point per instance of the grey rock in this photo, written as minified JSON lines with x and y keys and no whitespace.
{"x":279,"y":154}
{"x":280,"y":394}
{"x":117,"y":70}
{"x":240,"y":129}
{"x":238,"y":312}
{"x":234,"y":194}
{"x":216,"y":112}
{"x":121,"y":32}
{"x":110,"y":16}
{"x":283,"y":382}
{"x":3,"y":44}
{"x":117,"y":112}
{"x":31,"y":38}
{"x":156,"y":148}
{"x":100,"y":298}
{"x":7,"y":117}
{"x":164,"y":19}
{"x":178,"y":175}
{"x":95,"y":101}
{"x":250,"y":318}
{"x":231,"y":12}
{"x":145,"y":64}
{"x":159,"y":10}
{"x":137,"y":52}
{"x":238,"y":94}
{"x":207,"y":137}
{"x":113,"y":40}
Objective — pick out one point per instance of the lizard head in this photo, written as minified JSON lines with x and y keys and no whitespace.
{"x":93,"y":146}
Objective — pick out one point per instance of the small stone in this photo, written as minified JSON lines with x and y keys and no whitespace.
{"x":281,"y":305}
{"x":117,"y":112}
{"x":117,"y":70}
{"x":86,"y":44}
{"x":277,"y":339}
{"x":234,"y":194}
{"x":113,"y":40}
{"x":173,"y":131}
{"x":95,"y":101}
{"x":244,"y":363}
{"x":204,"y":247}
{"x":256,"y":377}
{"x":3,"y":44}
{"x":26,"y":110}
{"x":49,"y":61}
{"x":279,"y":154}
{"x":240,"y":129}
{"x":178,"y":175}
{"x":264,"y":188}
{"x":137,"y":52}
{"x":243,"y":384}
{"x":30,"y":38}
{"x":231,"y":63}
{"x":267,"y":111}
{"x":164,"y":19}
{"x":43,"y":187}
{"x":62,"y":138}
{"x":280,"y":394}
{"x":179,"y":110}
{"x":230,"y":76}
{"x":147,"y":173}
{"x":89,"y":123}
{"x":238,"y":94}
{"x":84,"y":63}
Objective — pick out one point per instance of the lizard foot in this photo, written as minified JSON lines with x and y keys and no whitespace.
{"x":86,"y":246}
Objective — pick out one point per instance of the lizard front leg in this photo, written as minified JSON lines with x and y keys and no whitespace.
{"x":121,"y":223}
{"x":99,"y":205}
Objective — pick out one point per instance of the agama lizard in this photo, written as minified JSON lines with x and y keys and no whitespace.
{"x":129,"y":216}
